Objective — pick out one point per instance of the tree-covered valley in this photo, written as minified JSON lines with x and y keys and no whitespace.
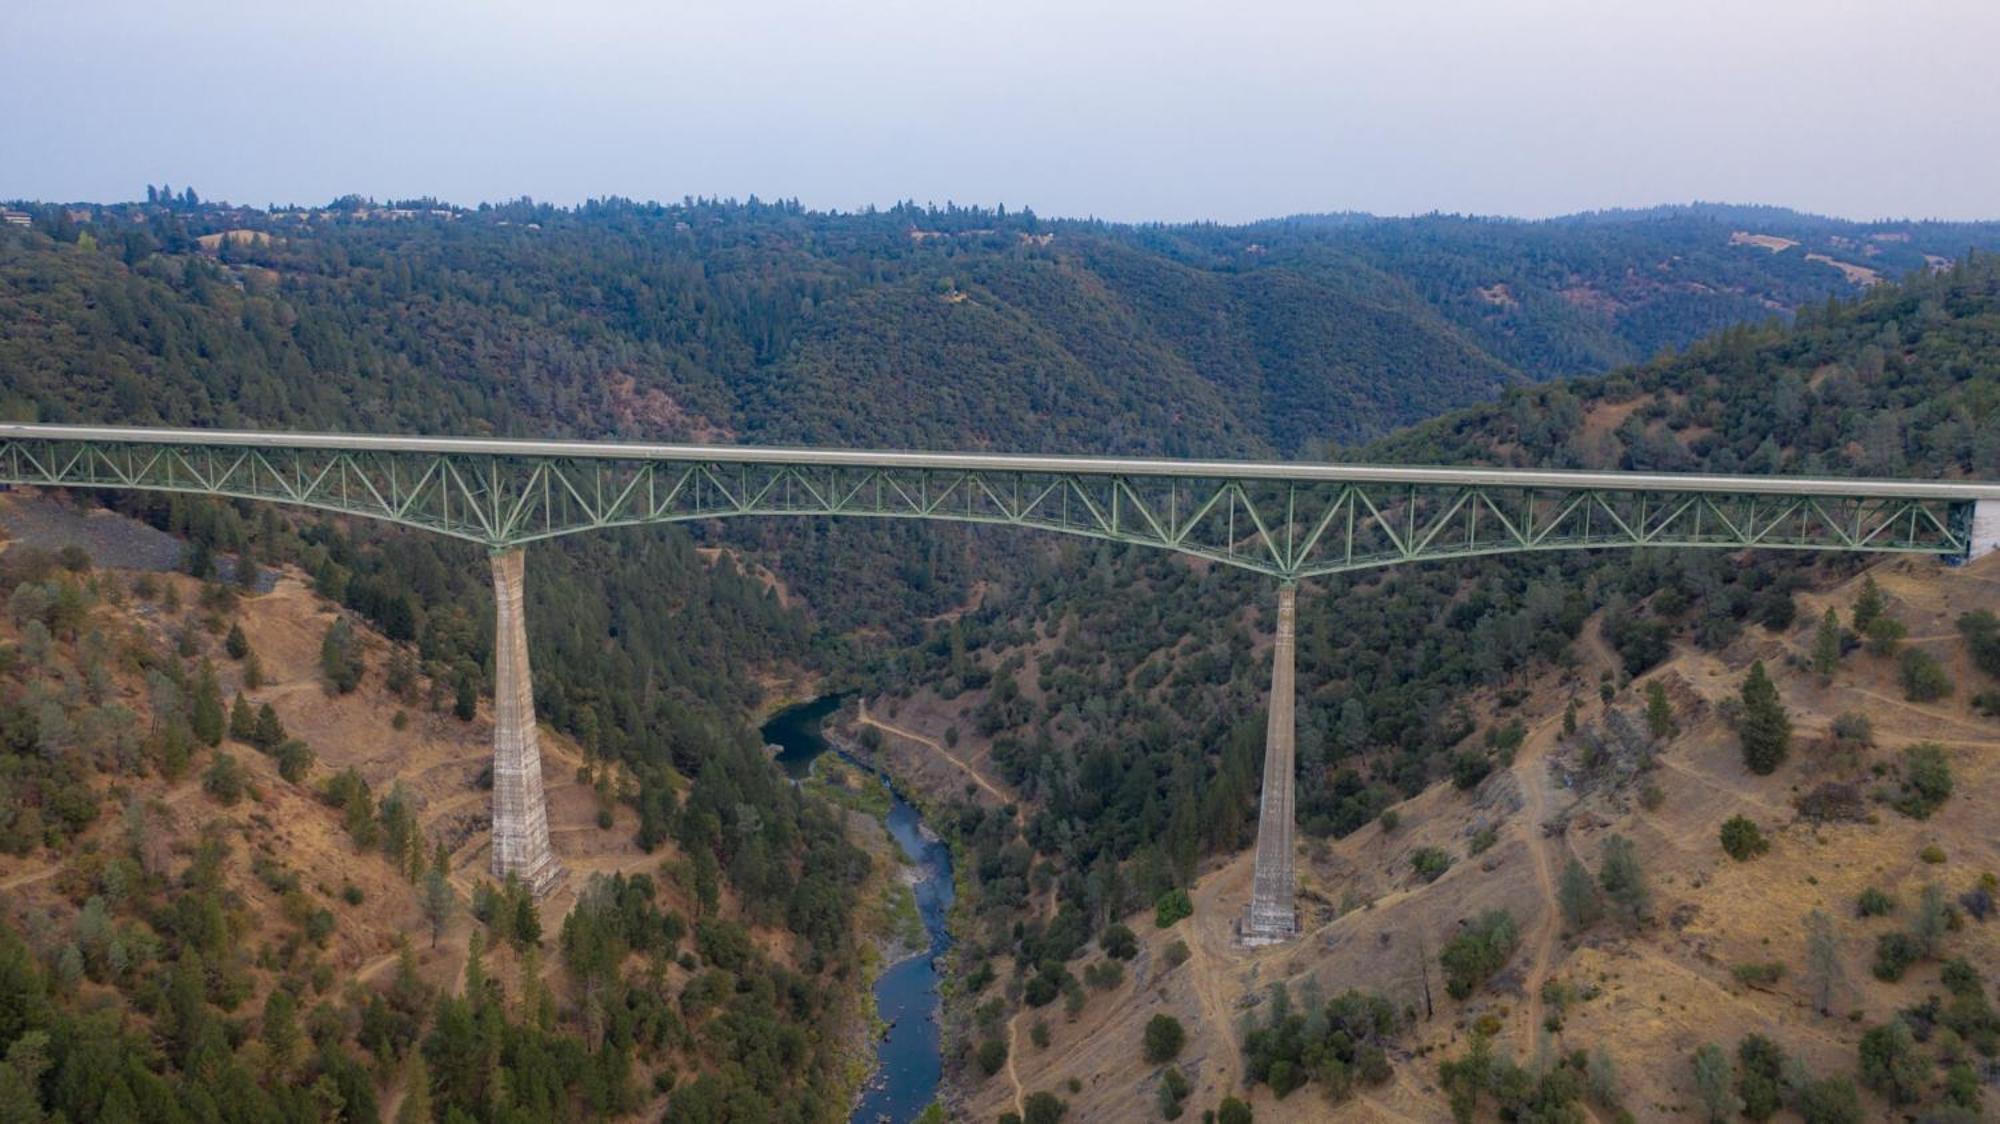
{"x":1116,"y":695}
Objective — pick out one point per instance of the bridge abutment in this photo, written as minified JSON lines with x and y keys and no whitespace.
{"x":1272,"y":915}
{"x":520,"y":812}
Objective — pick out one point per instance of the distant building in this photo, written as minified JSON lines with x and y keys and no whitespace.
{"x":14,"y":218}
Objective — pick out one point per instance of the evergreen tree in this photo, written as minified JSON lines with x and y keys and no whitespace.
{"x":268,"y":733}
{"x":340,"y":657}
{"x":281,"y":1028}
{"x":1659,"y":712}
{"x":1826,"y":646}
{"x":1869,"y":606}
{"x":236,"y":644}
{"x":1578,"y":894}
{"x":1764,"y":729}
{"x":1624,"y":881}
{"x":242,"y":720}
{"x":437,"y":899}
{"x":205,"y":713}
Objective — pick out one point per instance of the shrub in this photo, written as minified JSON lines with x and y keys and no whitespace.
{"x":224,"y":779}
{"x":295,"y":760}
{"x":1234,"y":1111}
{"x":992,"y":1054}
{"x":1164,"y":1038}
{"x":1760,"y":1067}
{"x":1119,"y":943}
{"x":1932,"y":854}
{"x":1924,"y":678}
{"x":1875,"y":903}
{"x":1742,"y":839}
{"x":1854,"y":729}
{"x":1829,"y":1100}
{"x":1430,"y":863}
{"x":1174,"y":1089}
{"x":1891,"y":1064}
{"x":1982,"y":635}
{"x":1712,"y":1081}
{"x":1104,"y":975}
{"x":1177,"y":954}
{"x":1926,"y":780}
{"x":1479,"y":951}
{"x":1171,"y":907}
{"x":1885,"y":635}
{"x":1894,"y":953}
{"x":1043,"y":1108}
{"x":1762,"y":974}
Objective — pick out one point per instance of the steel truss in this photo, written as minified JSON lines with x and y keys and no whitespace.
{"x":1288,"y":521}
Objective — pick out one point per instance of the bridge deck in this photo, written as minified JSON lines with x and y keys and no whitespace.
{"x":1276,"y":471}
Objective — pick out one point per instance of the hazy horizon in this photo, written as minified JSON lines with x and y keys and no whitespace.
{"x":1130,"y":113}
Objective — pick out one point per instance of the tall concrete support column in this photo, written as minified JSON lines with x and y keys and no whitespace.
{"x":520,"y":814}
{"x":1272,"y":915}
{"x":1985,"y":528}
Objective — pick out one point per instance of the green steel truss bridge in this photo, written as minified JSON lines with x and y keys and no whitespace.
{"x":1287,"y":520}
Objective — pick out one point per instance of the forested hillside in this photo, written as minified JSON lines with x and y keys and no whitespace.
{"x":1118,"y":692}
{"x":1121,"y":691}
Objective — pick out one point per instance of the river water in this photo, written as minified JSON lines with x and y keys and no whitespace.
{"x":907,"y":1062}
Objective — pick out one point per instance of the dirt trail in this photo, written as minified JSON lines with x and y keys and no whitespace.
{"x":1960,"y":720}
{"x":978,"y":778}
{"x":1531,"y":771}
{"x":1014,"y":1025}
{"x":1538,"y":795}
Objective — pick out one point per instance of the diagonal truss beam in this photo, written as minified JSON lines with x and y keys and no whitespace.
{"x":1288,"y":521}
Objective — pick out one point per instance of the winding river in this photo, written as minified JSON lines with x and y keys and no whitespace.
{"x":907,"y":1062}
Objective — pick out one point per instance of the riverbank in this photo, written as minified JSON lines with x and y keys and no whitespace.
{"x":908,"y":910}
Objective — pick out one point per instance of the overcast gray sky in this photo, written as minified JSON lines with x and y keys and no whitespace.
{"x":1144,"y":110}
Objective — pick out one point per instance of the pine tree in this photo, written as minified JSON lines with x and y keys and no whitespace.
{"x":268,"y":733}
{"x":236,"y":644}
{"x":206,"y":714}
{"x":340,"y":657}
{"x":1826,"y":646}
{"x":437,"y":901}
{"x":1624,"y":881}
{"x":242,"y":720}
{"x":1578,"y":895}
{"x":1659,"y":712}
{"x":1868,"y":606}
{"x":281,"y":1028}
{"x":1765,"y":730}
{"x":416,"y":1106}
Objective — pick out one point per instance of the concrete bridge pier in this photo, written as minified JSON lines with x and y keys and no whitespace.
{"x":1985,"y":528}
{"x":520,"y":813}
{"x":1272,"y":915}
